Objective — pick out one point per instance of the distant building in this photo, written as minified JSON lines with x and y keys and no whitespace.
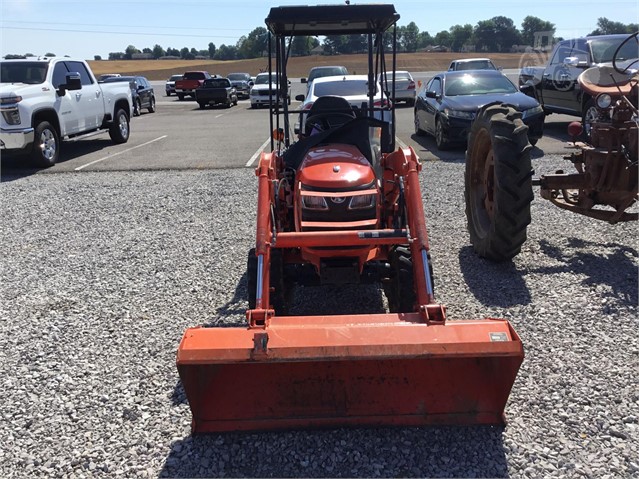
{"x":142,"y":56}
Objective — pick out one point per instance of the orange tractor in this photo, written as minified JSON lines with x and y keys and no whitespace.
{"x":341,"y":205}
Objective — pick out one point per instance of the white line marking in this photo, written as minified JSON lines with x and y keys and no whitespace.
{"x":257,"y":153}
{"x":119,"y":153}
{"x":219,"y":115}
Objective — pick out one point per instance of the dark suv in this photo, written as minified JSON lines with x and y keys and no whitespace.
{"x":242,"y":83}
{"x":142,"y":92}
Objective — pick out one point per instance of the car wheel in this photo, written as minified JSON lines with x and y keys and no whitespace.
{"x":202,"y":104}
{"x":119,"y":130}
{"x":533,"y":141}
{"x":152,"y":105}
{"x":410,"y":102}
{"x":46,"y":144}
{"x":441,"y":140}
{"x":235,"y":101}
{"x":180,"y":96}
{"x":137,"y":107}
{"x":418,"y":128}
{"x":168,"y":93}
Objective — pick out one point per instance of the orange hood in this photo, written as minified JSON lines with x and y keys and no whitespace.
{"x":335,"y":166}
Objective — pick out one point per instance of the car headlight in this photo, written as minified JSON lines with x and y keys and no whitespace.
{"x":604,"y":101}
{"x":532,"y":111}
{"x":465,"y":115}
{"x":314,"y":203}
{"x":361,"y":202}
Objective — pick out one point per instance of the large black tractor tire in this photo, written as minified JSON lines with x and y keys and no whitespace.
{"x":498,"y":182}
{"x":400,"y":289}
{"x":279,"y":288}
{"x":46,"y":145}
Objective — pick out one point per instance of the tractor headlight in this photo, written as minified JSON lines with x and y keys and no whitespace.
{"x":361,"y":202}
{"x":604,"y":101}
{"x":535,"y":110}
{"x":314,"y":202}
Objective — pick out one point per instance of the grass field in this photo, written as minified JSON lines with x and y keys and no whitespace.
{"x":299,"y":66}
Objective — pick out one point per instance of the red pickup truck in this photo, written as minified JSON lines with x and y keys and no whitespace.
{"x":189,"y":83}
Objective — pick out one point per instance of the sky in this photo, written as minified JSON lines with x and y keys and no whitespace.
{"x":85,"y":28}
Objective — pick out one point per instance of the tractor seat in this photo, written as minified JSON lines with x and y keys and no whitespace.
{"x":326,"y":113}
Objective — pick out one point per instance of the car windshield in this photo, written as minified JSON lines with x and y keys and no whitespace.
{"x":263,"y":79}
{"x":475,"y":65}
{"x":175,"y":77}
{"x":194,"y":76}
{"x":342,"y":88}
{"x":217,"y":83}
{"x":478,"y":85}
{"x":118,"y":79}
{"x":23,"y":72}
{"x":604,"y":48}
{"x":238,"y":77}
{"x":326,"y":72}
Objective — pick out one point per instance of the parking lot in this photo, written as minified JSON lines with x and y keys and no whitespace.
{"x":110,"y":255}
{"x":179,"y":135}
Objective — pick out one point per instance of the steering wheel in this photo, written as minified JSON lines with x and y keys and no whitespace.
{"x":326,"y":121}
{"x":614,"y":57}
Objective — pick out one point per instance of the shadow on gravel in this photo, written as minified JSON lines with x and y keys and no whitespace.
{"x":612,"y":266}
{"x":493,"y":284}
{"x":428,"y":150}
{"x":382,"y":452}
{"x":15,"y":166}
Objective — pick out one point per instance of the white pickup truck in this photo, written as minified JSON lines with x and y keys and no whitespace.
{"x":49,"y":99}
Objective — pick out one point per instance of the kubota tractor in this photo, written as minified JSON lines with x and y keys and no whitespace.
{"x":341,"y":205}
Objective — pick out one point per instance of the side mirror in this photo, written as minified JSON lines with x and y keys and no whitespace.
{"x":300,"y":97}
{"x":251,"y":83}
{"x":303,"y":80}
{"x":431,"y":94}
{"x":73,"y":82}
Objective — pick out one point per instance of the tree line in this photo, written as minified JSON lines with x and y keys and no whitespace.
{"x":494,"y":35}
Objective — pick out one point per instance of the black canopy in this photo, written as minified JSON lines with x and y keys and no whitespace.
{"x":331,"y":19}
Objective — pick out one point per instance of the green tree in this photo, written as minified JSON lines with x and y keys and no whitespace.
{"x":158,"y":51}
{"x":442,"y":38}
{"x":459,"y":36}
{"x":226,"y":52}
{"x":130,"y":50}
{"x":608,"y":27}
{"x":212,"y":50}
{"x":506,"y":33}
{"x":410,"y":37}
{"x":49,"y":54}
{"x":424,"y":39}
{"x":532,"y":25}
{"x":97,"y":58}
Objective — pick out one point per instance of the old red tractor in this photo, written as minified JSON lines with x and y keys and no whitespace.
{"x":499,"y":176}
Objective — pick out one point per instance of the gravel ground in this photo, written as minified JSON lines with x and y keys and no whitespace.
{"x":102,"y":272}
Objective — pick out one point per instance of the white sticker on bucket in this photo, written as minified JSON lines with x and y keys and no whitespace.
{"x":498,"y":337}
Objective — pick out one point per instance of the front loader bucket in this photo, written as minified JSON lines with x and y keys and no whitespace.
{"x":331,"y":371}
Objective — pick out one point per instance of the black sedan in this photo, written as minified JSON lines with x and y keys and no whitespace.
{"x":142,"y":92}
{"x":446,"y":106}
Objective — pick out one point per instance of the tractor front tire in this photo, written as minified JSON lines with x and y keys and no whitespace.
{"x":400,"y":289}
{"x":498,"y":182}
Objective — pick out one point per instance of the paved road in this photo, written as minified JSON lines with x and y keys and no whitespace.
{"x":181,"y":136}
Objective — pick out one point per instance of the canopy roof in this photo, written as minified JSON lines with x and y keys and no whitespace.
{"x":331,"y":19}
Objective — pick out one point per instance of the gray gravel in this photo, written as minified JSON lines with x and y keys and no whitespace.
{"x":102,"y":272}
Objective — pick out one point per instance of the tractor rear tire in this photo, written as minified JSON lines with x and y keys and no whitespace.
{"x":279,"y":291}
{"x":498,"y":182}
{"x":400,"y":290}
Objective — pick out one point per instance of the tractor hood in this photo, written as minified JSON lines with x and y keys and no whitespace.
{"x":335,"y":167}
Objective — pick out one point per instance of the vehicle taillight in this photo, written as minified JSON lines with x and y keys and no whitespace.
{"x":382,"y":104}
{"x":308,"y":106}
{"x":411,"y":85}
